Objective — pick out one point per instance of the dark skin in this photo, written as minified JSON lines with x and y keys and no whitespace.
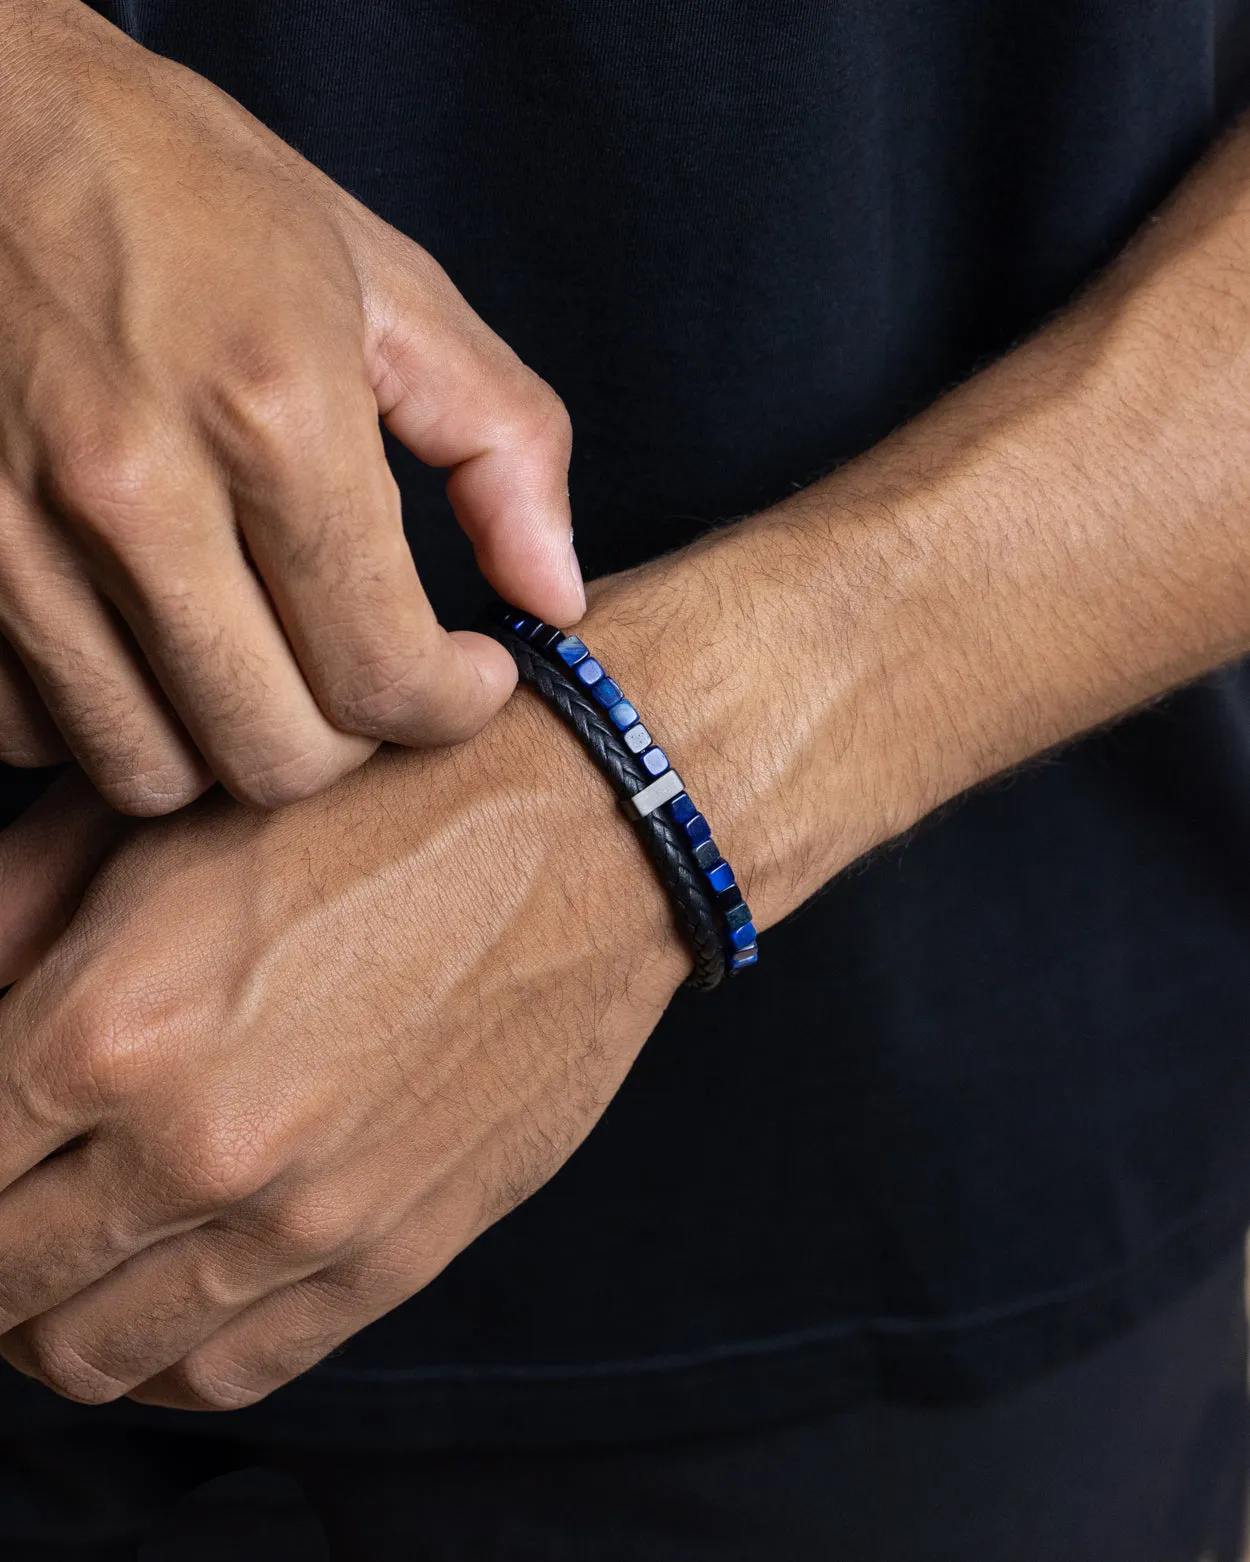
{"x":300,"y":1060}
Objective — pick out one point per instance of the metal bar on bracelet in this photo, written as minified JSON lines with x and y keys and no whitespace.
{"x":646,"y":801}
{"x":661,"y":786}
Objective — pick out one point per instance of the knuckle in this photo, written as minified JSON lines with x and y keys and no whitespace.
{"x":215,"y":1162}
{"x":106,"y":477}
{"x":57,"y":1362}
{"x":557,"y":428}
{"x":275,"y":415}
{"x":150,"y":794}
{"x":305,"y":1229}
{"x":380,"y":689}
{"x":135,"y":766}
{"x":111,"y":1044}
{"x":212,"y":1386}
{"x":545,"y":428}
{"x":276,"y":783}
{"x":532,"y":420}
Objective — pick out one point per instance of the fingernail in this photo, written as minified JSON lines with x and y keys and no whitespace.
{"x":575,"y":571}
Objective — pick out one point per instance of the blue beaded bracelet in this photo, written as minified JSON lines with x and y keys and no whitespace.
{"x":661,"y":786}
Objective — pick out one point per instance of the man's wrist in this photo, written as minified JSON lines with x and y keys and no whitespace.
{"x":533,"y":807}
{"x":709,"y":644}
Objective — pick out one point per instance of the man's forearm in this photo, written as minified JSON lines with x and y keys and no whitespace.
{"x":1062,"y":538}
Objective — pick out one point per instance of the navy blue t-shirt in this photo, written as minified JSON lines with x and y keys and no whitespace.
{"x":986,"y":1100}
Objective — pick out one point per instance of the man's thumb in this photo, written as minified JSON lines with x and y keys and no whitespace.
{"x":458,"y":397}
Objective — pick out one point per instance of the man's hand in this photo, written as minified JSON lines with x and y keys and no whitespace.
{"x":297,"y":1061}
{"x":202,"y":565}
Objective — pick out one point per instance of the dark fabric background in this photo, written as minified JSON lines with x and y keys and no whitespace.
{"x":988,"y":1098}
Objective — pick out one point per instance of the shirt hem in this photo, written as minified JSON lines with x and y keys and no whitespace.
{"x":738,"y":1386}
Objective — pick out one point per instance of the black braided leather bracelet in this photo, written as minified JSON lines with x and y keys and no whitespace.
{"x":662,"y":840}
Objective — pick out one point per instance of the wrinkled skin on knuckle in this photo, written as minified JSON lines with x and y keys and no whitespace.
{"x":554,"y":429}
{"x":50,"y":1355}
{"x":382,"y":692}
{"x":112,"y":1048}
{"x":213,"y":1162}
{"x":151,"y":794}
{"x":532,"y":424}
{"x":56,"y":1266}
{"x":270,"y":415}
{"x":305,"y":1229}
{"x":283,"y":779}
{"x":202,"y":1384}
{"x":136,"y":768}
{"x":105,"y":478}
{"x":211,"y":1379}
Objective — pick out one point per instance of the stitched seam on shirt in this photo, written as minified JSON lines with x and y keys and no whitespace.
{"x":981,"y":1321}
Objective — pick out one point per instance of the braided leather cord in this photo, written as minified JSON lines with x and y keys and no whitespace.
{"x":661,"y":840}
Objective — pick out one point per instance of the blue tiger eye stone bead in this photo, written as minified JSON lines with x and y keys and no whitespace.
{"x":697,"y":829}
{"x":571,"y":651}
{"x":654,"y":761}
{"x":721,"y":876}
{"x":681,"y":808}
{"x":607,"y":693}
{"x":588,"y":673}
{"x":744,"y":957}
{"x":742,"y":937}
{"x":706,"y":854}
{"x":546,"y":638}
{"x":622,"y":715}
{"x":516,"y":622}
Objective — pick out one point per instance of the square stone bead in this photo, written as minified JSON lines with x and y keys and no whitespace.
{"x":697,"y":829}
{"x":654,"y":761}
{"x":516,"y":622}
{"x":720,"y":876}
{"x":741,"y":958}
{"x":743,"y":937}
{"x":570,"y":650}
{"x":607,"y":693}
{"x":546,"y":637}
{"x":682,"y":808}
{"x":706,"y":854}
{"x":622,"y":715}
{"x":637,"y":738}
{"x":729,"y":900}
{"x":737,"y":916}
{"x":588,"y":673}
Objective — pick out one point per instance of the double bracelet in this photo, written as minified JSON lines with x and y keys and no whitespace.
{"x":709,"y":904}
